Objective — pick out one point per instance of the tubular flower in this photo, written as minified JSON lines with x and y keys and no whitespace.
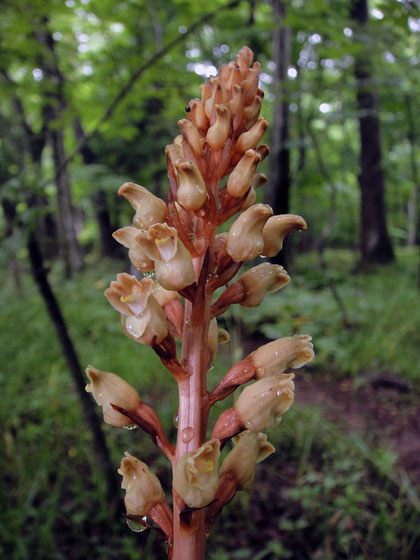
{"x":107,"y":388}
{"x":149,"y":208}
{"x":276,"y":229}
{"x":127,"y":237}
{"x":240,"y":180}
{"x":252,"y":137}
{"x":277,"y":356}
{"x":196,"y":475}
{"x":173,"y":263}
{"x":141,"y":315}
{"x":142,"y":488}
{"x":219,"y":131}
{"x":261,"y":405}
{"x":249,"y":449}
{"x":191,"y":192}
{"x":245,"y":240}
{"x":265,"y":277}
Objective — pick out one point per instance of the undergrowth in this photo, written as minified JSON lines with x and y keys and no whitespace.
{"x":326,"y":494}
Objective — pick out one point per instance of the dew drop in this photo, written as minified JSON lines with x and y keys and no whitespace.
{"x":187,"y":435}
{"x":131,"y":427}
{"x":150,"y":274}
{"x":175,"y":420}
{"x":136,"y":526}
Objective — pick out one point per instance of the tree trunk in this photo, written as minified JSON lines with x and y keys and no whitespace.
{"x":376,"y":244}
{"x":412,"y":201}
{"x":54,"y":106}
{"x":278,"y":189}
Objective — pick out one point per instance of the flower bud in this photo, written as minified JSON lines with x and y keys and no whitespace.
{"x":197,"y":115}
{"x":240,"y":180}
{"x":250,"y":84}
{"x":245,"y":239}
{"x":233,"y":79}
{"x":217,"y":97}
{"x":173,"y":153}
{"x":171,"y":304}
{"x":252,"y":137}
{"x":219,"y":131}
{"x":107,"y":388}
{"x":127,"y":237}
{"x":149,"y":208}
{"x":264,"y":151}
{"x":191,"y":135}
{"x":213,"y":337}
{"x":237,"y":102}
{"x":142,"y":488}
{"x":251,"y":197}
{"x":277,"y":356}
{"x":252,"y":111}
{"x":249,"y":449}
{"x":276,"y":229}
{"x":259,"y":180}
{"x":261,"y":406}
{"x":244,"y":59}
{"x":265,"y":277}
{"x":196,"y":475}
{"x":173,"y":263}
{"x":192,"y":192}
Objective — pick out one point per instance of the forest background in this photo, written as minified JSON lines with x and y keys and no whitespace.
{"x":90,"y":93}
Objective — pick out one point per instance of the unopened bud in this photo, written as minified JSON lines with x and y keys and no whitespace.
{"x":240,"y":180}
{"x":196,"y":475}
{"x":252,"y":111}
{"x":259,"y":180}
{"x":213,"y":337}
{"x":191,"y":135}
{"x":149,"y":208}
{"x":245,"y":239}
{"x":191,"y":192}
{"x":173,"y":263}
{"x":174,"y":154}
{"x":244,"y":59}
{"x":277,"y":356}
{"x":142,"y":487}
{"x":197,"y":115}
{"x":249,"y":449}
{"x":219,"y":131}
{"x":127,"y":237}
{"x":250,"y":84}
{"x":261,"y":406}
{"x":217,"y":97}
{"x":264,"y":151}
{"x":234,"y":78}
{"x":251,"y":197}
{"x":265,"y":277}
{"x":276,"y":229}
{"x":237,"y":102}
{"x":107,"y":388}
{"x":252,"y":137}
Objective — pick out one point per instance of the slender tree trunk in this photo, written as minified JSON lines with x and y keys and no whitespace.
{"x":375,"y":242}
{"x":412,"y":202}
{"x":100,"y":448}
{"x":278,"y":188}
{"x":55,"y":104}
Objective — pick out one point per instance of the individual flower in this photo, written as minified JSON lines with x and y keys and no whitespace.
{"x":249,"y":449}
{"x":261,"y":406}
{"x":245,"y":240}
{"x":191,"y":135}
{"x":149,"y":208}
{"x":259,"y":280}
{"x":277,"y":356}
{"x":196,"y":475}
{"x":142,"y":488}
{"x":191,"y":193}
{"x":240,"y":180}
{"x":141,"y":315}
{"x":107,"y":388}
{"x":275,"y":230}
{"x":217,"y":134}
{"x":252,"y":137}
{"x":173,"y":264}
{"x":127,"y":237}
{"x":197,"y":115}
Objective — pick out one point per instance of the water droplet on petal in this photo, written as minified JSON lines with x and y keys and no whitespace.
{"x":136,"y":526}
{"x":131,"y":427}
{"x":187,"y":435}
{"x":176,"y":420}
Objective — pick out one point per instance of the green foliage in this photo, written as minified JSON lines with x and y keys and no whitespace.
{"x":382,"y":308}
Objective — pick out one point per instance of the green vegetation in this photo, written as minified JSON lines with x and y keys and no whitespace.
{"x":328,"y":492}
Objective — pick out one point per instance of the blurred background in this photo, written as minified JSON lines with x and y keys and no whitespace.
{"x":90,"y":94}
